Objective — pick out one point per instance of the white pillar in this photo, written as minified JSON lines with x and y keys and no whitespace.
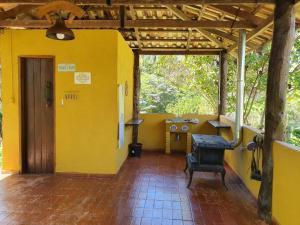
{"x":239,"y":115}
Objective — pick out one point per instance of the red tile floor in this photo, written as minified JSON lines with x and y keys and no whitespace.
{"x":151,"y":190}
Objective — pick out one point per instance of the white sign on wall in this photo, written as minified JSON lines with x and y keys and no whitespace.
{"x":82,"y":78}
{"x":121,"y":116}
{"x":66,"y":67}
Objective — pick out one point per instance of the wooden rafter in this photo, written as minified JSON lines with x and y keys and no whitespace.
{"x":229,"y":37}
{"x":179,"y":51}
{"x":95,"y":24}
{"x":189,"y":39}
{"x":41,"y":11}
{"x":183,"y":30}
{"x":16,"y":11}
{"x":146,"y":2}
{"x":122,"y":15}
{"x":261,"y":28}
{"x":91,"y":14}
{"x":136,"y":30}
{"x":209,"y":36}
{"x":191,"y":49}
{"x":259,"y":7}
{"x":206,"y":33}
{"x":168,"y":40}
{"x":222,"y":34}
{"x":201,"y":11}
{"x":184,"y":17}
{"x":239,"y":13}
{"x":233,"y":11}
{"x":192,"y":23}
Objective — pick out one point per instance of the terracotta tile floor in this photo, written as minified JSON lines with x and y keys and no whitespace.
{"x":150,"y":190}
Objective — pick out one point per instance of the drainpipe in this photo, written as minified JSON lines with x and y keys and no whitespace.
{"x":239,"y":115}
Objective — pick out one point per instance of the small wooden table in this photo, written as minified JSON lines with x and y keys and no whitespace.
{"x":207,"y":155}
{"x":218,"y":125}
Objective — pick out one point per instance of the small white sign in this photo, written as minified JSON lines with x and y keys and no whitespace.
{"x":121,"y":117}
{"x":82,"y":78}
{"x":66,"y":68}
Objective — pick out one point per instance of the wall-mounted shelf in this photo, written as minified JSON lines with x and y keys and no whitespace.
{"x":134,"y":122}
{"x":218,"y":124}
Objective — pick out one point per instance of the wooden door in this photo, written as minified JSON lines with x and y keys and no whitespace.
{"x":37,"y":115}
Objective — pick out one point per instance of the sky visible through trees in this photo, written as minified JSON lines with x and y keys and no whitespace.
{"x":189,"y":84}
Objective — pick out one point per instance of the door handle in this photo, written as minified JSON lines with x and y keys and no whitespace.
{"x":48,"y":93}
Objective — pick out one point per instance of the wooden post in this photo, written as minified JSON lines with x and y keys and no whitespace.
{"x":136,"y":95}
{"x":275,"y":116}
{"x":223,"y":83}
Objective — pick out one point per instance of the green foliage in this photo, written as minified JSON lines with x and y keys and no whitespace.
{"x":173,"y":84}
{"x":189,"y":84}
{"x":295,"y":137}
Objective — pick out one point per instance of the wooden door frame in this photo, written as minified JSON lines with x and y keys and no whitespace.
{"x":21,"y":108}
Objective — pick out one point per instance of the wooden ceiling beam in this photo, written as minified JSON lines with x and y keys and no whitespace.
{"x":228,"y":36}
{"x":261,"y":28}
{"x":184,"y":17}
{"x":201,"y":12}
{"x":189,"y":39}
{"x":136,"y":30}
{"x":239,"y":13}
{"x":145,"y":2}
{"x":53,"y":6}
{"x":16,"y":11}
{"x":222,"y":34}
{"x":182,"y":52}
{"x":178,"y":51}
{"x":164,"y":30}
{"x":257,"y":8}
{"x":96,"y":24}
{"x":168,"y":40}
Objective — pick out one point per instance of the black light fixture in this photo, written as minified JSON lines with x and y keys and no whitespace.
{"x":60,"y":32}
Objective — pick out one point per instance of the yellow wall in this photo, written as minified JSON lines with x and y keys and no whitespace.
{"x":286,"y":176}
{"x":286,"y":184}
{"x":86,"y":129}
{"x":152,"y":130}
{"x":125,"y":73}
{"x":239,"y":159}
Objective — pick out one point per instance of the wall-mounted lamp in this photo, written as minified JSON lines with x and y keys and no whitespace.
{"x":59,"y":31}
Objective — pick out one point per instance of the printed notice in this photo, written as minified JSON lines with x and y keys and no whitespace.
{"x":82,"y":78}
{"x":66,"y":67}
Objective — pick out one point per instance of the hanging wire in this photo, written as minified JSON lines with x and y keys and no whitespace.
{"x":236,"y":16}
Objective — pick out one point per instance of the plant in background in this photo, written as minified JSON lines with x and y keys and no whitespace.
{"x":189,"y":84}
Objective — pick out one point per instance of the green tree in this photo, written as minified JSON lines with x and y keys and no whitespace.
{"x":189,"y":84}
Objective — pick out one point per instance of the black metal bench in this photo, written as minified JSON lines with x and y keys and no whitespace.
{"x":207,"y":155}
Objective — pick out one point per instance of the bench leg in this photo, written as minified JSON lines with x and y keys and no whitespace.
{"x":223,"y":179}
{"x":186,"y":164}
{"x":191,"y":177}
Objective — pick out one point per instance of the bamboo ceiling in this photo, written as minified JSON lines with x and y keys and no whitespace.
{"x":156,"y":26}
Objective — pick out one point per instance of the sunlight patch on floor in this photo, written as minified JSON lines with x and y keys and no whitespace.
{"x":3,"y":176}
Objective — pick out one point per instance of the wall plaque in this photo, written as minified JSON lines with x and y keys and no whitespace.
{"x":82,"y":78}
